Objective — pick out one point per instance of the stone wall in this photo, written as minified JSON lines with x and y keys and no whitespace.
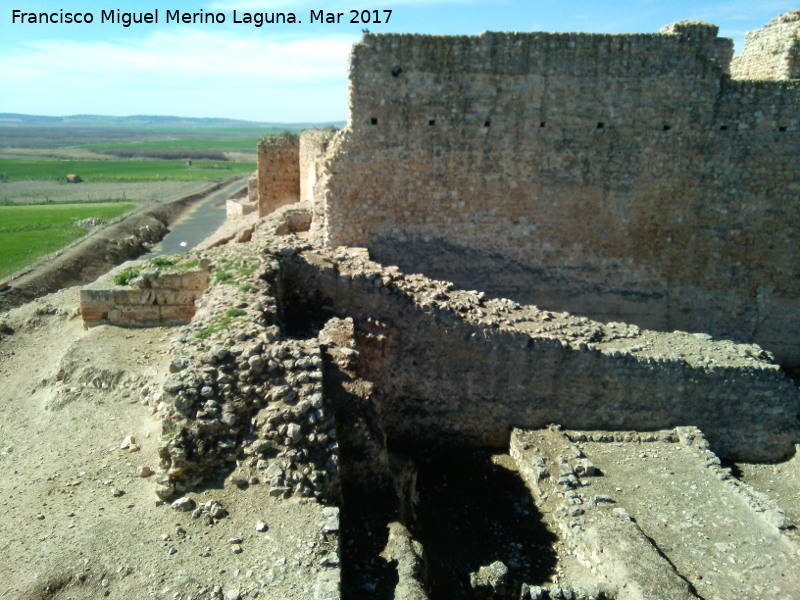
{"x":313,"y":150}
{"x":624,"y":177}
{"x":252,"y":188}
{"x":278,"y":172}
{"x":453,"y":367}
{"x":237,"y":209}
{"x":150,"y":299}
{"x":772,"y":52}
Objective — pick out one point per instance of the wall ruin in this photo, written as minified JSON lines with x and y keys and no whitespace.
{"x":772,"y":52}
{"x":278,"y":172}
{"x":313,"y":150}
{"x":623,"y":177}
{"x":456,"y":368}
{"x":141,"y":294}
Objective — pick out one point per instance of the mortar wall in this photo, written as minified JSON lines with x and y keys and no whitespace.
{"x":625,"y":177}
{"x":313,"y":146}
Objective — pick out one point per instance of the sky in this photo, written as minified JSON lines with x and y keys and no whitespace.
{"x":285,"y":73}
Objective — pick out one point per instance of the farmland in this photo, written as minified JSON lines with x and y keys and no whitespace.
{"x":14,"y":169}
{"x":31,"y":231}
{"x":123,"y":163}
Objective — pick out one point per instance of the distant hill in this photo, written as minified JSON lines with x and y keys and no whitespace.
{"x":147,"y":121}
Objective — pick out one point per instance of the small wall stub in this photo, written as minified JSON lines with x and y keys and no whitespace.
{"x":278,"y":172}
{"x":151,"y":298}
{"x":236,"y":209}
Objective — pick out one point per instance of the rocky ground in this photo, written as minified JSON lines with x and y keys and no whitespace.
{"x":86,"y":513}
{"x":79,"y":433}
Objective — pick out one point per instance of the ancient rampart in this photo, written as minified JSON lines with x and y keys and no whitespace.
{"x":624,"y":177}
{"x":278,"y":172}
{"x":772,"y":52}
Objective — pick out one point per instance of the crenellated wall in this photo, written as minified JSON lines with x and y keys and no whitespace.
{"x":624,"y":177}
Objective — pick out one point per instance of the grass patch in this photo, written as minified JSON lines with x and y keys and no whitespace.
{"x":220,"y":323}
{"x":180,"y":148}
{"x":233,"y":270}
{"x":128,"y":274}
{"x":29,"y":232}
{"x":162,"y":263}
{"x":191,"y":264}
{"x":223,"y":276}
{"x":121,"y":170}
{"x":125,"y":276}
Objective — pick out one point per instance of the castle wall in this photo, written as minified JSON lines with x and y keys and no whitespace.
{"x":772,"y":52}
{"x":252,"y":188}
{"x":624,"y":177}
{"x":313,"y":147}
{"x":454,"y":368}
{"x":278,"y":172}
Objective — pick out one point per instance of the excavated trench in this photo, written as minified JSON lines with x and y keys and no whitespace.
{"x":466,"y":506}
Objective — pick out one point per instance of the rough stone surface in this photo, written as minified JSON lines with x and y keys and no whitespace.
{"x":153,"y":294}
{"x":663,"y":503}
{"x":772,"y":52}
{"x":245,"y":394}
{"x":427,"y":347}
{"x":623,"y":177}
{"x":278,"y":172}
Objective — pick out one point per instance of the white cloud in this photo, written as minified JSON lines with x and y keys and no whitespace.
{"x":210,"y":74}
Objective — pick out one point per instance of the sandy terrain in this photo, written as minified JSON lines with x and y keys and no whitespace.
{"x":78,"y":520}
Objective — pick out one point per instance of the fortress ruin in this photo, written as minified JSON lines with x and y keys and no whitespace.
{"x":641,"y":178}
{"x":508,"y":323}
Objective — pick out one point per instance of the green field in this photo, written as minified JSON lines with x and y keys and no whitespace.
{"x":120,"y":170}
{"x":114,"y":156}
{"x":233,"y":144}
{"x":29,"y":232}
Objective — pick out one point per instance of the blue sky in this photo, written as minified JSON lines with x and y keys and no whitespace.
{"x":278,"y":73}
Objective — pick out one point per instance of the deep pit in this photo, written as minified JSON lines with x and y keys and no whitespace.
{"x":466,"y":506}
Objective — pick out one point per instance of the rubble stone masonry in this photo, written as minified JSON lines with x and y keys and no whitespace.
{"x":455,"y":368}
{"x":623,"y":177}
{"x":772,"y":52}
